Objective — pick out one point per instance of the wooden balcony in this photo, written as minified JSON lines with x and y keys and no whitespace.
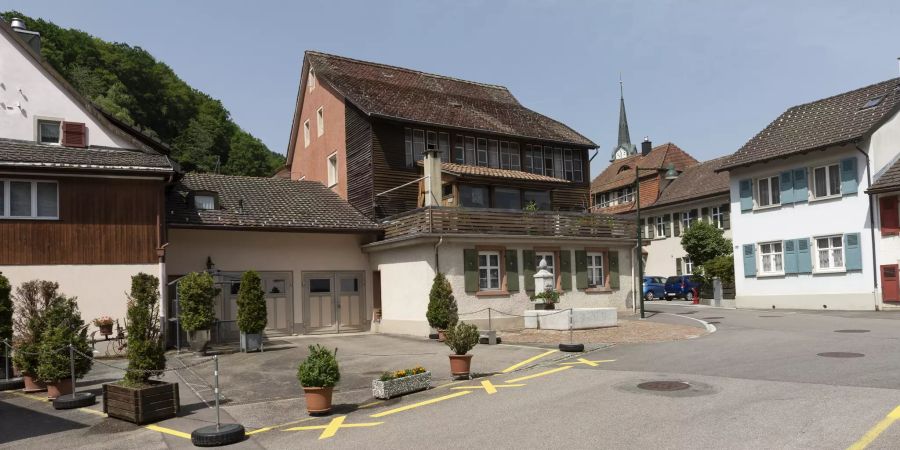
{"x":473,"y":221}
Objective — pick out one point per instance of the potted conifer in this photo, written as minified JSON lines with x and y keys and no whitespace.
{"x":251,"y":313}
{"x":461,"y":338}
{"x":31,"y":301}
{"x":63,"y":327}
{"x":318,"y":374}
{"x":442,"y":311}
{"x":196,"y":298}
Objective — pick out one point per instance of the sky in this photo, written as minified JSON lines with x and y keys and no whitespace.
{"x":706,"y":75}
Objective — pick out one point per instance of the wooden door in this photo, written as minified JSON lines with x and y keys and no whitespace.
{"x":890,"y":286}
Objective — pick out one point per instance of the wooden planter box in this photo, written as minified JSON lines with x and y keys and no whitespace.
{"x":141,"y":405}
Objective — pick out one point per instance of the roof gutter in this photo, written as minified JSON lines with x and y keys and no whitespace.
{"x":871,"y":226}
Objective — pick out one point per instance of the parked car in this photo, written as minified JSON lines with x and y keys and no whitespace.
{"x":682,"y":286}
{"x":654,"y":287}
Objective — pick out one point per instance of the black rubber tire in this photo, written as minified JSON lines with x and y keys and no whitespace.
{"x":76,"y":400}
{"x":11,"y":384}
{"x":228,"y":433}
{"x":689,"y":296}
{"x":571,"y":347}
{"x":649,"y":297}
{"x":433,"y":336}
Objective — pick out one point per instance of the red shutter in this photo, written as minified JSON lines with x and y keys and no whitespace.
{"x":890,"y":286}
{"x":890,"y":217}
{"x":74,"y":134}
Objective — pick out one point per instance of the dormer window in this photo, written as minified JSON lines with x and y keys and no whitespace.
{"x":206,"y":200}
{"x":624,"y":168}
{"x":49,"y":131}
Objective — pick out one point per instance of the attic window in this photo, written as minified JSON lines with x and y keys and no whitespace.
{"x":873,"y":102}
{"x":206,"y":200}
{"x":624,"y":168}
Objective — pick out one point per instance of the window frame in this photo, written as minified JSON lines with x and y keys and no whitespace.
{"x":501,"y":289}
{"x":306,"y":136}
{"x":687,"y":266}
{"x":760,"y":271}
{"x":829,"y":194}
{"x":660,"y":228}
{"x":311,"y":81}
{"x":6,"y":211}
{"x":332,"y":169}
{"x":211,"y":195}
{"x":843,"y":248}
{"x":773,"y":193}
{"x":604,"y":269}
{"x":717,"y":217}
{"x":38,"y":137}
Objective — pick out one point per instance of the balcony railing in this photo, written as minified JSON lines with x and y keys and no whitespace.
{"x":445,"y":220}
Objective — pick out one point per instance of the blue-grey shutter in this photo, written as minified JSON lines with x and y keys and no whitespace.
{"x":790,"y":256}
{"x":787,"y":188}
{"x":746,"y":192}
{"x":852,"y":252}
{"x":849,"y":183}
{"x":801,"y":190}
{"x":749,"y":260}
{"x":804,"y":260}
{"x":667,"y":225}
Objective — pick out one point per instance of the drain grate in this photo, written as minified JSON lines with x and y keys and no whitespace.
{"x":666,"y":386}
{"x":712,"y":318}
{"x":841,"y":355}
{"x":851,"y":331}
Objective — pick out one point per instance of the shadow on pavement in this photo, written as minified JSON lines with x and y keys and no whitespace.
{"x":23,"y":423}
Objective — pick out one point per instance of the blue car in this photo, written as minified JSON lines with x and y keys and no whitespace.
{"x":654,"y":287}
{"x":682,"y":286}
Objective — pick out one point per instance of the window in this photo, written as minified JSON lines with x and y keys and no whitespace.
{"x":538,"y":160}
{"x":432,"y":140}
{"x":311,"y":81}
{"x":603,"y":199}
{"x":493,"y":154}
{"x":548,"y":257}
{"x":768,"y":192}
{"x":660,"y":227}
{"x":771,"y":258}
{"x":548,"y":161}
{"x":320,"y":121}
{"x":459,"y":152}
{"x":29,"y":199}
{"x":628,"y":194}
{"x":873,"y":102}
{"x":306,"y":133}
{"x":482,"y":152}
{"x":204,"y":201}
{"x":514,"y":156}
{"x":595,"y":270}
{"x":332,"y":170}
{"x":49,"y":131}
{"x":418,"y":146}
{"x":541,"y":199}
{"x":685,"y":221}
{"x":830,"y":253}
{"x":576,"y":162}
{"x":504,"y":155}
{"x":567,"y":164}
{"x":826,"y":181}
{"x":470,"y":150}
{"x":688,"y":265}
{"x":473,"y":196}
{"x":507,"y":198}
{"x":717,"y":217}
{"x":489,"y":271}
{"x":444,"y":146}
{"x":558,"y":169}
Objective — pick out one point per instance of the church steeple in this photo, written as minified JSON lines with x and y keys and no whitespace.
{"x":624,"y":148}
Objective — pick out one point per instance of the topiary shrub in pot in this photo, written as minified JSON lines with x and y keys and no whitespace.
{"x":63,"y":327}
{"x":196,"y":299}
{"x":30,"y":302}
{"x":461,"y":338}
{"x":251,"y":314}
{"x":318,"y":374}
{"x":442,"y":311}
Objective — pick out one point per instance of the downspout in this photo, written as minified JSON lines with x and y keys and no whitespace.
{"x":871,"y":228}
{"x":437,"y":259}
{"x":636,"y":251}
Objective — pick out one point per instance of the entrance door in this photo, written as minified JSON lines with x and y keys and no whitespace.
{"x":278,"y":304}
{"x":334,"y":302}
{"x":890,"y":284}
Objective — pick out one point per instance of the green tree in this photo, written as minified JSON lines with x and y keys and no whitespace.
{"x":146,"y":351}
{"x":63,"y":327}
{"x":6,"y":311}
{"x":721,"y":266}
{"x":442,"y":311}
{"x":251,"y":303}
{"x":248,"y":156}
{"x":703,"y":242}
{"x":196,"y":299}
{"x":31,"y":301}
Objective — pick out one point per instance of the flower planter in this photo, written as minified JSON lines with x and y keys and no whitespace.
{"x":198,"y":340}
{"x":106,"y":329}
{"x":59,"y":388}
{"x":251,"y":342}
{"x":460,"y":365}
{"x":318,"y":399}
{"x":400,"y":386}
{"x":32,"y":384}
{"x":544,"y":306}
{"x":156,"y":400}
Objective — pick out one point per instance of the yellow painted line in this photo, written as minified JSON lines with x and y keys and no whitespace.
{"x":367,"y":405}
{"x":416,"y":405}
{"x":529,"y":360}
{"x":273,"y":427}
{"x":450,"y":383}
{"x":36,"y":396}
{"x":587,"y":362}
{"x":489,"y":387}
{"x":168,"y":431}
{"x":93,"y":411}
{"x":539,"y":374}
{"x":879,"y":428}
{"x":332,"y":428}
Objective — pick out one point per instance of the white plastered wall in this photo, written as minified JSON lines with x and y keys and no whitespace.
{"x":662,"y":252}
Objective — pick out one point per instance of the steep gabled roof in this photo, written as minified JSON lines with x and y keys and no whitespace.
{"x":831,"y":121}
{"x":620,"y":173}
{"x":696,"y":182}
{"x":29,"y":154}
{"x":481,"y":171}
{"x":889,"y":181}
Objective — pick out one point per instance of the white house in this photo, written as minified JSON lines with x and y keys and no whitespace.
{"x":801,"y":220}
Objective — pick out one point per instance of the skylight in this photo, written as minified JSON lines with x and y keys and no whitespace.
{"x":873,"y":102}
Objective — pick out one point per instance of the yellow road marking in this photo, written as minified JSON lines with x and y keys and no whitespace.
{"x":264,"y":429}
{"x":532,"y":359}
{"x":168,"y":431}
{"x":416,"y":405}
{"x":371,"y":404}
{"x":879,"y":428}
{"x":587,"y":362}
{"x":34,"y":396}
{"x":450,"y":383}
{"x":332,"y":427}
{"x":539,"y":374}
{"x":93,"y":411}
{"x":489,"y":387}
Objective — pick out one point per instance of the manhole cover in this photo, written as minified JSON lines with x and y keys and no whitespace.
{"x":841,"y":355}
{"x":664,"y":386}
{"x":712,"y":318}
{"x":771,"y":316}
{"x":851,"y":331}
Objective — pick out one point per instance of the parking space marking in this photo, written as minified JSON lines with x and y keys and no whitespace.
{"x":588,"y":362}
{"x":332,"y":427}
{"x":416,"y":405}
{"x":529,"y":360}
{"x":875,"y":431}
{"x":369,"y":405}
{"x":539,"y":374}
{"x":264,"y":429}
{"x":168,"y":431}
{"x":489,"y":387}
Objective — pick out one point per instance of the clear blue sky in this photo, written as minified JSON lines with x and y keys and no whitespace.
{"x":706,"y":75}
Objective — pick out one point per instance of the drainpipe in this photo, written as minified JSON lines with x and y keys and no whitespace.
{"x":640,"y":255}
{"x":871,"y":228}
{"x":437,"y":260}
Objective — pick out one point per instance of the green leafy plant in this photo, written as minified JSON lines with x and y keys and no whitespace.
{"x":146,"y":351}
{"x":251,"y":303}
{"x":462,"y":338}
{"x":6,"y":311}
{"x":549,"y":295}
{"x":196,"y":296}
{"x":442,"y":311}
{"x":320,"y":368}
{"x":63,"y":327}
{"x":31,"y":301}
{"x":703,"y":242}
{"x":721,"y":266}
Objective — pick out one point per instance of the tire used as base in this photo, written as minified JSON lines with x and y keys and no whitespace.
{"x":11,"y":384}
{"x":76,"y":400}
{"x":209,"y":436}
{"x":571,"y":347}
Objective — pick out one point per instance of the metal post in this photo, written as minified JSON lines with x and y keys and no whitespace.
{"x":6,"y":358}
{"x":72,"y":367}
{"x":490,"y":327}
{"x":177,"y":321}
{"x":571,"y":324}
{"x":216,"y":373}
{"x":640,"y":235}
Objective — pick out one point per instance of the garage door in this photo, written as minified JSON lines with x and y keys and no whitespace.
{"x":334,"y":302}
{"x":277,"y":287}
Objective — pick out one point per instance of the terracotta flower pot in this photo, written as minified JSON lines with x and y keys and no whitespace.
{"x":318,"y":399}
{"x":460,"y":365}
{"x":32,"y":384}
{"x":57,"y":388}
{"x":441,"y":336}
{"x":106,"y":330}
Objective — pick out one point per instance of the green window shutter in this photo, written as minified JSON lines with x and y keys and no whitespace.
{"x":667,"y":225}
{"x":613,"y":269}
{"x":581,"y":281}
{"x":643,"y":226}
{"x":852,"y":252}
{"x":677,"y":224}
{"x":512,"y":271}
{"x":849,"y":183}
{"x":565,"y":270}
{"x":790,"y":256}
{"x":804,"y":259}
{"x":801,"y":191}
{"x":746,"y":193}
{"x":726,"y":218}
{"x":787,"y":187}
{"x":749,"y":260}
{"x":528,"y":269}
{"x":470,"y":266}
{"x":677,"y":266}
{"x":704,"y":214}
{"x":651,"y":227}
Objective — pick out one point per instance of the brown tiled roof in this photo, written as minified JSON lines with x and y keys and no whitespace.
{"x":887,"y":181}
{"x":262,"y":203}
{"x":614,"y":176}
{"x":696,"y":182}
{"x":481,"y":171}
{"x":16,"y":153}
{"x":822,"y":123}
{"x":397,"y":93}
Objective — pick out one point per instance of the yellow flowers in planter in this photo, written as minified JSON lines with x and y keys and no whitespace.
{"x":387,"y":376}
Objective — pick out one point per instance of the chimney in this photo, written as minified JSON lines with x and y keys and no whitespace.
{"x":32,"y":38}
{"x":646,"y":146}
{"x":433,"y":191}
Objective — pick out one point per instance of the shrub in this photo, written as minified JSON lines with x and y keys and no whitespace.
{"x":720,"y":266}
{"x":548,"y":296}
{"x":145,"y":351}
{"x":703,"y":242}
{"x":442,"y":312}
{"x":387,"y":376}
{"x":251,"y":303}
{"x":31,"y":301}
{"x":320,"y":368}
{"x":6,"y":311}
{"x":63,"y":326}
{"x":462,"y":338}
{"x":196,"y":299}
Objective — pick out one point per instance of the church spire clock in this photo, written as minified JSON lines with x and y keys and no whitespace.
{"x":624,"y":148}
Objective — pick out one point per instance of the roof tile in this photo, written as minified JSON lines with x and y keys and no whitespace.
{"x":31,"y":154}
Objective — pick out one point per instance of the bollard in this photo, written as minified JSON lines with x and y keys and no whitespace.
{"x":74,"y":400}
{"x":216,"y":374}
{"x":490,"y":327}
{"x":220,"y":434}
{"x":571,"y":346}
{"x":72,"y":368}
{"x":6,"y":358}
